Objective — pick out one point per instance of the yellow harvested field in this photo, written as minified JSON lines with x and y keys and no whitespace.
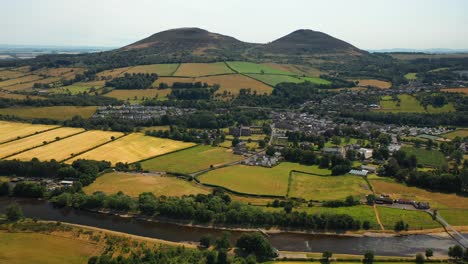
{"x":10,"y":74}
{"x":29,"y":85}
{"x":113,"y":73}
{"x":18,"y":96}
{"x":25,"y":79}
{"x":232,"y":83}
{"x":58,"y":72}
{"x":16,"y":146}
{"x":51,"y":112}
{"x":134,"y":184}
{"x":202,"y":69}
{"x":455,"y":90}
{"x":133,"y":147}
{"x":136,"y":95}
{"x":159,"y":69}
{"x":374,"y":83}
{"x":68,"y":147}
{"x":13,"y":130}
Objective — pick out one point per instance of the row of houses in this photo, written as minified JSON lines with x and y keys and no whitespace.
{"x":385,"y":199}
{"x":140,"y":112}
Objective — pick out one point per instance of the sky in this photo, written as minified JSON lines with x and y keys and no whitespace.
{"x":367,"y":24}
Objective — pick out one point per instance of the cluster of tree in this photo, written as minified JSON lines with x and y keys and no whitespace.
{"x":191,"y":94}
{"x":400,"y":226}
{"x":189,"y":85}
{"x":60,"y":100}
{"x":215,"y":208}
{"x":337,"y":82}
{"x":133,"y":81}
{"x":84,"y":171}
{"x":190,"y":135}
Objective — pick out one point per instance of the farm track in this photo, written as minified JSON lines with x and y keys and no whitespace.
{"x":377,"y":216}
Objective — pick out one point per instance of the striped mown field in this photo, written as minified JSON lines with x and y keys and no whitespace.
{"x":14,"y":130}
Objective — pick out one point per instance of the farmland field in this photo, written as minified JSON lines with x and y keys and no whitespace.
{"x":457,"y":133}
{"x":14,"y":130}
{"x":415,"y":219}
{"x":170,"y":80}
{"x":10,"y":74}
{"x":232,"y":84}
{"x":113,"y":73}
{"x":66,"y":148}
{"x":426,"y":157}
{"x":71,"y":89}
{"x":16,"y":146}
{"x":133,"y":147}
{"x":25,"y":248}
{"x":24,"y":79}
{"x":159,"y":69}
{"x":249,"y":67}
{"x":134,"y":184}
{"x":456,"y":217}
{"x":436,"y":199}
{"x":138,"y":95}
{"x":273,"y":80}
{"x":295,"y":69}
{"x":410,"y":104}
{"x":51,"y":112}
{"x":254,"y":179}
{"x":191,"y":160}
{"x":323,"y":188}
{"x":202,"y":69}
{"x":374,"y":83}
{"x":18,"y":96}
{"x":58,"y":72}
{"x":316,"y":80}
{"x":456,"y":90}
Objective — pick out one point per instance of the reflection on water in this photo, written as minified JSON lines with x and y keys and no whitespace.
{"x":390,"y":246}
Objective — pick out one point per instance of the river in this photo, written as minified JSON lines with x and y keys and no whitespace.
{"x":387,"y":246}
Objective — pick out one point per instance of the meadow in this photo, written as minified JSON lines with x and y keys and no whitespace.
{"x":16,"y":146}
{"x":191,"y":160}
{"x":68,"y":147}
{"x":10,"y":74}
{"x":25,"y":248}
{"x":202,"y":69}
{"x":159,"y":69}
{"x":325,"y":188}
{"x":134,"y":184}
{"x":232,"y":84}
{"x":254,"y":179}
{"x":457,"y":133}
{"x":136,"y":96}
{"x":15,"y":130}
{"x":456,"y":217}
{"x":416,"y":220}
{"x":425,"y":157}
{"x":316,"y":80}
{"x":374,"y":83}
{"x":23,"y":79}
{"x":113,"y":73}
{"x":249,"y":67}
{"x":60,"y":113}
{"x":409,"y":104}
{"x":436,"y":199}
{"x":273,"y":80}
{"x":133,"y":147}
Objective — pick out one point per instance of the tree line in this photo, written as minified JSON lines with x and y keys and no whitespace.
{"x":133,"y":81}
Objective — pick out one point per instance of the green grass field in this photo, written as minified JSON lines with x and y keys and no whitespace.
{"x":72,"y":89}
{"x":191,"y":160}
{"x":324,"y":188}
{"x":457,"y":133}
{"x":411,"y":76}
{"x":159,"y":69}
{"x":409,"y":104}
{"x":60,"y":113}
{"x":26,"y":248}
{"x":134,"y":184}
{"x":249,"y":67}
{"x":255,"y":179}
{"x":455,"y":217}
{"x":273,"y":80}
{"x":316,"y":80}
{"x":415,"y":219}
{"x":426,"y":157}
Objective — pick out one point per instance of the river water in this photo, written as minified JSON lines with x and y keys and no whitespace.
{"x":388,"y":246}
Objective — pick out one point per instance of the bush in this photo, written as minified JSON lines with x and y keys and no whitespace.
{"x":14,"y":212}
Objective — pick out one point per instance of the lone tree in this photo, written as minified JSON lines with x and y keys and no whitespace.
{"x":368,"y":257}
{"x":429,"y":253}
{"x":257,"y":244}
{"x":205,"y":241}
{"x":326,"y":256}
{"x":455,"y":252}
{"x":14,"y":212}
{"x":419,"y":258}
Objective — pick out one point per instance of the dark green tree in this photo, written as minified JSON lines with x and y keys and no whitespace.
{"x":13,"y":212}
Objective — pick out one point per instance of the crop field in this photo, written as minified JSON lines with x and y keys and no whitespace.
{"x":133,"y":147}
{"x":191,"y":160}
{"x":456,"y":217}
{"x":411,"y":76}
{"x":69,"y":147}
{"x":134,"y":184}
{"x":71,"y":89}
{"x":374,"y":83}
{"x":59,"y":72}
{"x":232,"y":84}
{"x":254,"y":179}
{"x":202,"y":69}
{"x":113,"y":72}
{"x":323,"y":188}
{"x":18,"y":96}
{"x":273,"y":80}
{"x":14,"y":130}
{"x":138,"y":95}
{"x":426,"y":157}
{"x":456,"y":90}
{"x":436,"y":199}
{"x":24,"y":79}
{"x":361,"y":212}
{"x":16,"y":146}
{"x":25,"y":248}
{"x":10,"y":74}
{"x":249,"y":67}
{"x":295,"y":69}
{"x":159,"y":69}
{"x":415,"y":219}
{"x":410,"y":104}
{"x":457,"y":133}
{"x":51,"y":112}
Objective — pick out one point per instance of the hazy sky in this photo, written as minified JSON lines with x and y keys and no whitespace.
{"x":367,"y":24}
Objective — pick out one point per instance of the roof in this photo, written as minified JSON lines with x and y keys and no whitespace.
{"x":359,"y":172}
